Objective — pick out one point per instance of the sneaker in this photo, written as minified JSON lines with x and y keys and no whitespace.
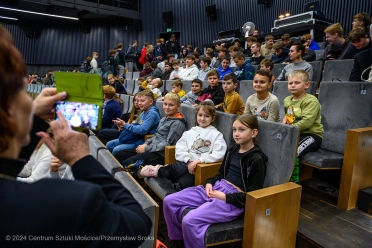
{"x":150,"y":170}
{"x":134,"y":166}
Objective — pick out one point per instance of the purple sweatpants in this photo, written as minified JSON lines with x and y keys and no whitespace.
{"x":207,"y":211}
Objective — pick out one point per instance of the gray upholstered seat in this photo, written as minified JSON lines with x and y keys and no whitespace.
{"x":205,"y":84}
{"x":337,"y":69}
{"x":279,"y":143}
{"x":345,"y":105}
{"x":136,"y":87}
{"x":136,"y":75}
{"x":321,"y":45}
{"x":126,"y":102}
{"x":95,"y":145}
{"x":277,"y":69}
{"x":149,"y":206}
{"x":186,"y":85}
{"x":317,"y":72}
{"x":129,"y":75}
{"x":108,"y":161}
{"x":256,"y":67}
{"x":318,"y":54}
{"x":130,"y":86}
{"x":246,"y":89}
{"x":281,"y":91}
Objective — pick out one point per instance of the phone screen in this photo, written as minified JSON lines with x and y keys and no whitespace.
{"x":80,"y":115}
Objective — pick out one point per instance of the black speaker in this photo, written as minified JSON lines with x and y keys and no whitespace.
{"x":211,"y":10}
{"x":137,"y":24}
{"x":30,"y":32}
{"x":262,"y":1}
{"x":84,"y":26}
{"x":168,"y":16}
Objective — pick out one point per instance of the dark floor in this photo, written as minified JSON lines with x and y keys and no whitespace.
{"x":321,"y":222}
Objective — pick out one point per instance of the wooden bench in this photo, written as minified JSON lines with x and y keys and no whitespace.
{"x":347,"y":140}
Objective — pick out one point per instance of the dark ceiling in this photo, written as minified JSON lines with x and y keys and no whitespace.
{"x":82,"y":9}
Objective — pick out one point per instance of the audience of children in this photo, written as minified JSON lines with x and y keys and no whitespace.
{"x":201,"y":144}
{"x":263,"y":104}
{"x":133,"y":134}
{"x":168,"y":132}
{"x":190,"y":72}
{"x":192,"y":95}
{"x":243,"y":170}
{"x":232,"y":102}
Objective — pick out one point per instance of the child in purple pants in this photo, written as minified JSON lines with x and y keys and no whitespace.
{"x":223,"y":197}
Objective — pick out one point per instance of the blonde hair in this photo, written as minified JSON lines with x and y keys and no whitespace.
{"x":135,"y":112}
{"x":335,"y":29}
{"x":173,"y":97}
{"x":300,"y":73}
{"x":149,"y":49}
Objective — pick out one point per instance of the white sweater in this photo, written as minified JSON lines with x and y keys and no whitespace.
{"x":206,"y":144}
{"x":189,"y":73}
{"x":67,"y":173}
{"x":37,"y":167}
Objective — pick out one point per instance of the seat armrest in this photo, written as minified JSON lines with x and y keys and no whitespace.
{"x":170,"y":154}
{"x":148,"y":136}
{"x":205,"y":171}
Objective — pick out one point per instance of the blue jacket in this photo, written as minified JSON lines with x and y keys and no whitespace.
{"x":314,"y":46}
{"x":282,"y":57}
{"x":224,"y":72}
{"x":159,"y":51}
{"x":147,"y":124}
{"x":246,"y":72}
{"x":111,"y":111}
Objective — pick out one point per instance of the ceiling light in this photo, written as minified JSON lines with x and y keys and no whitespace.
{"x":38,"y":13}
{"x":281,"y":16}
{"x":287,"y":14}
{"x":10,"y":18}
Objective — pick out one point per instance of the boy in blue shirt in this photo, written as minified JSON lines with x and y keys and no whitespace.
{"x":225,"y":67}
{"x":245,"y":70}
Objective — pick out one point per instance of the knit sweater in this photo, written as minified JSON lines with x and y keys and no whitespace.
{"x":232,"y":103}
{"x":303,"y":65}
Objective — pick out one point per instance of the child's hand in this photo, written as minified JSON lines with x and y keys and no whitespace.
{"x":176,"y":76}
{"x":191,"y":166}
{"x":208,"y":190}
{"x":285,"y":121}
{"x":141,"y":148}
{"x":218,"y":195}
{"x":119,"y":123}
{"x":55,"y":163}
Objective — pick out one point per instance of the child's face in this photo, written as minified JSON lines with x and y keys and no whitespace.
{"x":264,"y":67}
{"x":254,"y":48}
{"x":158,"y":44}
{"x":203,"y":64}
{"x":225,"y":64}
{"x":232,"y":53}
{"x":170,"y":107}
{"x":196,"y":88}
{"x":167,"y":68}
{"x":213,"y":81}
{"x":149,"y":80}
{"x":261,"y":83}
{"x":176,"y":89}
{"x":269,"y":43}
{"x":111,"y":80}
{"x":204,"y":119}
{"x":286,"y":42}
{"x":189,"y":62}
{"x":136,"y":102}
{"x":139,"y":82}
{"x":176,"y":67}
{"x":239,"y":62}
{"x":144,"y":102}
{"x":228,"y":86}
{"x":221,"y":54}
{"x":297,"y":86}
{"x":278,"y":52}
{"x":242,"y":134}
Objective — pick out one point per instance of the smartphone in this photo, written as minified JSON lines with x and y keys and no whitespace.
{"x":80,"y":115}
{"x":84,"y":103}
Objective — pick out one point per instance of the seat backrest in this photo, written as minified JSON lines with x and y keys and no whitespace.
{"x":338,"y":69}
{"x":167,"y":85}
{"x":317,"y":70}
{"x":136,"y":87}
{"x":246,"y":89}
{"x":205,"y":84}
{"x":95,"y":145}
{"x":186,"y":85}
{"x":281,"y":91}
{"x":130,"y":103}
{"x":321,"y":45}
{"x":136,"y":75}
{"x":129,"y":75}
{"x":159,"y":104}
{"x":223,"y":123}
{"x":256,"y":67}
{"x":278,"y":68}
{"x":131,"y":85}
{"x":345,"y":105}
{"x":149,"y":206}
{"x":109,"y":162}
{"x":279,"y":143}
{"x":318,"y":54}
{"x":126,"y":103}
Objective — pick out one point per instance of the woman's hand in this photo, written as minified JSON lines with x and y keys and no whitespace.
{"x":44,"y":103}
{"x":69,"y":146}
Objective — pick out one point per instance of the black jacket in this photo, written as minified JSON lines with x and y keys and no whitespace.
{"x":119,"y":88}
{"x":362,"y":61}
{"x":216,"y":94}
{"x":253,"y":165}
{"x":129,"y":55}
{"x":95,"y":204}
{"x":173,"y":47}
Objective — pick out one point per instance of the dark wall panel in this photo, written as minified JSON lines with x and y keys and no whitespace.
{"x":196,"y":28}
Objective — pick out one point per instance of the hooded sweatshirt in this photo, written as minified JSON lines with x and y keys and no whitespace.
{"x":206,"y":144}
{"x":146,"y":124}
{"x":168,"y":133}
{"x":216,"y":94}
{"x":253,"y":168}
{"x":246,"y":72}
